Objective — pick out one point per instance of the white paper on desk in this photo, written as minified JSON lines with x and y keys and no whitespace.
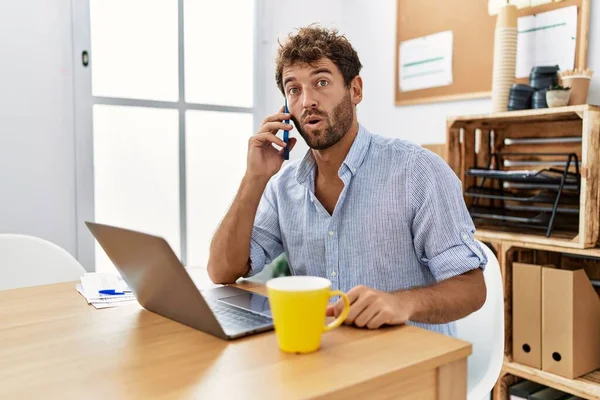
{"x":547,"y":38}
{"x":426,"y":62}
{"x":105,"y":302}
{"x":92,"y":283}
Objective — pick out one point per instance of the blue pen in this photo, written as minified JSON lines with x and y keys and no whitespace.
{"x":286,"y":136}
{"x":110,"y":291}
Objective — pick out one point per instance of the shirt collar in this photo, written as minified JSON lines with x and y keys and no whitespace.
{"x":358,"y":150}
{"x":353,"y":160}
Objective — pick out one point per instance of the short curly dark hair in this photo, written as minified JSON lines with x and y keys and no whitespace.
{"x":312,"y":43}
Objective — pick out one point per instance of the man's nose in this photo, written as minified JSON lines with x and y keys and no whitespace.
{"x":309,"y":100}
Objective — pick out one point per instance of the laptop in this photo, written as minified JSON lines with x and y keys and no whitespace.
{"x":161,"y":284}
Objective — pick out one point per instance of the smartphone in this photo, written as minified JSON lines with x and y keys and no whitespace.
{"x":286,"y":136}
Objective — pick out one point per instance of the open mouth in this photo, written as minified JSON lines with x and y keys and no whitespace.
{"x":312,"y":122}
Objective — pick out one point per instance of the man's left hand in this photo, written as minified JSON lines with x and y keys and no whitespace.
{"x":372,"y":308}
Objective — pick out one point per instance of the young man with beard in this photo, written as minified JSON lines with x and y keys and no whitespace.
{"x":382,"y":218}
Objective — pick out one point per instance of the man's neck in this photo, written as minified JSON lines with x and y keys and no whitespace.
{"x":330,"y":160}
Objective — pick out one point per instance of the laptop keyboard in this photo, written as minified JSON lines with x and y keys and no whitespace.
{"x":235,"y":319}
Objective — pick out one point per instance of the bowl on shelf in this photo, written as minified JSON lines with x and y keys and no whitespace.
{"x":558,"y":96}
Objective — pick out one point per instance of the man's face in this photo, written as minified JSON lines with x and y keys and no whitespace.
{"x":320,"y":103}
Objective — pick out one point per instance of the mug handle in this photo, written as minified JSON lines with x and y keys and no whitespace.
{"x":338,"y":321}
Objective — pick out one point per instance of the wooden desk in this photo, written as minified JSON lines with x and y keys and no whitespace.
{"x":53,"y":345}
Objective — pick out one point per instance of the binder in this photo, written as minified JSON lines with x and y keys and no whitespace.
{"x":527,"y":314}
{"x":570,"y":323}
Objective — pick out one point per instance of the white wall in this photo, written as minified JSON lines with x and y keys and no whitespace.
{"x":371,"y":28}
{"x":37,"y":160}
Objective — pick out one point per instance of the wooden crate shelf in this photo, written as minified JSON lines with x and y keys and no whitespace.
{"x":537,"y":115}
{"x":587,"y":386}
{"x":472,"y":139}
{"x":554,"y":241}
{"x":507,"y":252}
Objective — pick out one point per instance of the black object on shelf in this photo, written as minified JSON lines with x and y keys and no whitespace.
{"x":519,"y":97}
{"x":543,"y":77}
{"x":549,"y":176}
{"x":552,"y":185}
{"x":544,"y":196}
{"x":538,"y":100}
{"x":533,"y":215}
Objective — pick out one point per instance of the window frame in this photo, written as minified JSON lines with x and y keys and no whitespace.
{"x":84,"y":102}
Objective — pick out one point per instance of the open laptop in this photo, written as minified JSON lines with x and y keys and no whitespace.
{"x":161,"y":284}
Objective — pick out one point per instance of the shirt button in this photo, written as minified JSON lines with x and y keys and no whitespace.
{"x":465,"y":237}
{"x":333,"y":274}
{"x":312,"y":199}
{"x":331,"y":233}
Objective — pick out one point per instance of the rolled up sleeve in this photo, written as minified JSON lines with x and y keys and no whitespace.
{"x":442,"y":227}
{"x":265,"y":244}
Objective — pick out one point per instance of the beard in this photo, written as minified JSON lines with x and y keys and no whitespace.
{"x":335,"y":126}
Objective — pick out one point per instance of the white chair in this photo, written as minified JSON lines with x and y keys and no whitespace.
{"x":485,"y":330}
{"x":31,"y":261}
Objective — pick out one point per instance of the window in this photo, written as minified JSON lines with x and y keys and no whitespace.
{"x":173,"y":94}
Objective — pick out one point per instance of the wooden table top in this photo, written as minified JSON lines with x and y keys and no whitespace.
{"x":52,"y":344}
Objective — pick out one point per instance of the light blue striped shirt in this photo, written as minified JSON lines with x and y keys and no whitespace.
{"x":400,"y":221}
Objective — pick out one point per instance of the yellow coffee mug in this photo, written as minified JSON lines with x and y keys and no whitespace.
{"x":298,"y":306}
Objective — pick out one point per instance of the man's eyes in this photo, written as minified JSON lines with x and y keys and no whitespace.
{"x":320,"y":83}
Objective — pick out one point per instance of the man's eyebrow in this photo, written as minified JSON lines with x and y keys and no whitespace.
{"x":288,"y":79}
{"x":321,"y":70}
{"x":315,"y":72}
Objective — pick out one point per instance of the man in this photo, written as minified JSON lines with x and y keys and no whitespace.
{"x":382,"y":218}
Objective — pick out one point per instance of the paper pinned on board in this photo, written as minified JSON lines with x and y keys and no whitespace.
{"x":426,"y":62}
{"x":547,"y":38}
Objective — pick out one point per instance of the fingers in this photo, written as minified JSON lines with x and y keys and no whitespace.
{"x":274,"y":127}
{"x":366,"y":315}
{"x":265,"y":138}
{"x":281,"y":116}
{"x":336,"y":309}
{"x":330,"y":311}
{"x":360,"y":304}
{"x":291,"y":146}
{"x":377,"y":321}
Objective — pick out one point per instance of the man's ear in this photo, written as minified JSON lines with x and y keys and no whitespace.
{"x":356,"y":90}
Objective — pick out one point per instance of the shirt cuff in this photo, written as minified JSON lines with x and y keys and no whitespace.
{"x":465,"y":256}
{"x":257,"y":259}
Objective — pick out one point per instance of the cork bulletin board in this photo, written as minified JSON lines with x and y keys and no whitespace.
{"x":473,"y":43}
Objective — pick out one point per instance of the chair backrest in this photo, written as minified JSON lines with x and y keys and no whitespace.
{"x":485,"y":330}
{"x":31,"y":261}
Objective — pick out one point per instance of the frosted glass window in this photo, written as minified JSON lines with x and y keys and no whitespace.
{"x":134,"y":51}
{"x":219,"y":51}
{"x":136,"y":172}
{"x":216,"y":149}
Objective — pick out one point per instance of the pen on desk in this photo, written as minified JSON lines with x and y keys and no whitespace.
{"x":110,"y":291}
{"x":286,"y":136}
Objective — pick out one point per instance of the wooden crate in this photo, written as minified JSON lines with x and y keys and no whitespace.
{"x":507,"y":252}
{"x":471,"y":140}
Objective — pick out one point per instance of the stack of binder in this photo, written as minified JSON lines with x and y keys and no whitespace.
{"x":556,"y":320}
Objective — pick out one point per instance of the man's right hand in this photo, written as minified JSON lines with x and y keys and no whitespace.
{"x":264,"y":160}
